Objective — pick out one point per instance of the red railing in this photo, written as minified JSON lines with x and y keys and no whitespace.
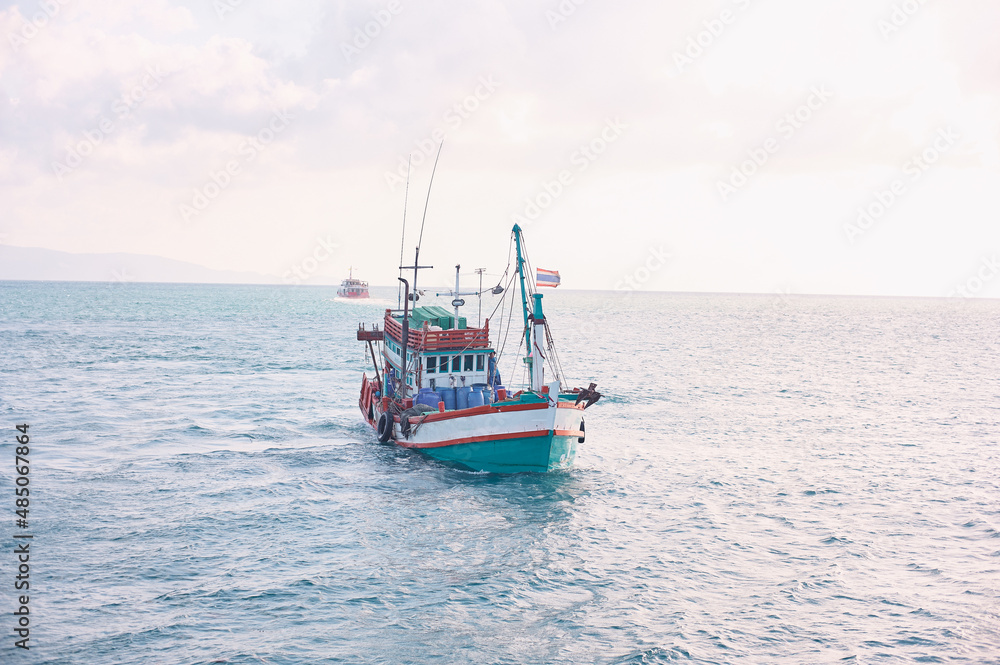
{"x":436,"y":340}
{"x":373,"y":335}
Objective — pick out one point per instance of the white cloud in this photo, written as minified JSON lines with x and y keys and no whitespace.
{"x":222,"y":78}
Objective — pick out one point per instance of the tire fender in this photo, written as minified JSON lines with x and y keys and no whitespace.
{"x":384,"y":427}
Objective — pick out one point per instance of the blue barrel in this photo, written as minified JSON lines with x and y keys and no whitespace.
{"x":476,"y":397}
{"x":429,"y":397}
{"x":462,"y":397}
{"x":448,"y":397}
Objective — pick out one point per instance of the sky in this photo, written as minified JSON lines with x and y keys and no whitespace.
{"x":768,"y":146}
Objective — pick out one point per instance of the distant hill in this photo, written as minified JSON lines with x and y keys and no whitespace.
{"x":33,"y":263}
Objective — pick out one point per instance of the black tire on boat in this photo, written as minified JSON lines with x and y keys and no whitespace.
{"x":384,"y":428}
{"x":584,"y":430}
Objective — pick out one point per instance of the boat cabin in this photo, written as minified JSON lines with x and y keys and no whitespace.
{"x":353,"y":288}
{"x":447,"y":352}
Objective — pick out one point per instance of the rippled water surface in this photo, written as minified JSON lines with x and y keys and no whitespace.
{"x":767,"y":480}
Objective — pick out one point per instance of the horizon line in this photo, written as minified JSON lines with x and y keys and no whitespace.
{"x":776,"y":294}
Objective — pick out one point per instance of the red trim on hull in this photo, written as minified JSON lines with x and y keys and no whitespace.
{"x":523,"y":407}
{"x":433,"y":417}
{"x":489,"y":437}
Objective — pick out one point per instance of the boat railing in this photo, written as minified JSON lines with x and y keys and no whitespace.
{"x":433,"y":340}
{"x":373,"y":335}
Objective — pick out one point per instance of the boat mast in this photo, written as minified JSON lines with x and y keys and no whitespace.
{"x":454,"y":302}
{"x":537,"y":352}
{"x":520,"y":274}
{"x":406,"y":336}
{"x":402,"y":236}
{"x":535,"y":357}
{"x":416,"y":267}
{"x":480,"y":272}
{"x":420,"y":239}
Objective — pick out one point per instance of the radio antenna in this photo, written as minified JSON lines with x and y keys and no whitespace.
{"x":427,"y":202}
{"x":402,"y":237}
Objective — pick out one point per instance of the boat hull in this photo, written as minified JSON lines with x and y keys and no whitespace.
{"x":539,"y":454}
{"x":530,"y":434}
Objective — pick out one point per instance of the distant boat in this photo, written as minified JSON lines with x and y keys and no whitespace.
{"x":353,"y":288}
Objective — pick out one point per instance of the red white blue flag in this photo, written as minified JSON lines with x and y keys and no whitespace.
{"x":547,"y":277}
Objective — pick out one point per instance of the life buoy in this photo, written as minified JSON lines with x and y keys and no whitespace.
{"x":584,"y":430}
{"x":384,"y":428}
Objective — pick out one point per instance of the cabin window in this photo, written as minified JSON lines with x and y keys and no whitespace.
{"x":456,"y":364}
{"x":444,"y":364}
{"x":480,"y":362}
{"x":431,"y":365}
{"x":468,"y":363}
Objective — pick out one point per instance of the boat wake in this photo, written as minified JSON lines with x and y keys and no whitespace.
{"x":383,"y":302}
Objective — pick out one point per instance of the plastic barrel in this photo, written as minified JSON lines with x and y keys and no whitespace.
{"x":498,"y":388}
{"x":483,"y":389}
{"x":462,"y":397}
{"x":476,"y":397}
{"x":448,"y":397}
{"x":428,"y":397}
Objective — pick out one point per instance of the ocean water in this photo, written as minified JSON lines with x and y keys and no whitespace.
{"x":768,"y":479}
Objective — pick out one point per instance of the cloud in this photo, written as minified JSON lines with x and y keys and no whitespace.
{"x":183,"y":87}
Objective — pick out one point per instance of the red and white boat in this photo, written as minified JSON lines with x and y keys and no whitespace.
{"x":352,"y":288}
{"x":437,"y":389}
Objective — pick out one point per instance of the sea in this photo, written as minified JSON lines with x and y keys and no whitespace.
{"x":766,"y":479}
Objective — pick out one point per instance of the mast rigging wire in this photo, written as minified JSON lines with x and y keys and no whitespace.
{"x":553,"y":359}
{"x":420,"y":240}
{"x":404,"y":362}
{"x":402,"y":236}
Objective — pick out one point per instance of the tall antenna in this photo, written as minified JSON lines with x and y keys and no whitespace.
{"x":414,"y":293}
{"x":427,"y":202}
{"x":402,"y":236}
{"x":420,"y":239}
{"x":480,"y":271}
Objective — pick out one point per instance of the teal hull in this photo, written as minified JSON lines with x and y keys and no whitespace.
{"x":536,"y":453}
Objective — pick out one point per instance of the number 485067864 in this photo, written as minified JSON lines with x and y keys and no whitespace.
{"x":21,"y":466}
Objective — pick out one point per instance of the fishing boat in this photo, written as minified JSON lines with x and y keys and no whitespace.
{"x":352,"y":288}
{"x":437,"y":389}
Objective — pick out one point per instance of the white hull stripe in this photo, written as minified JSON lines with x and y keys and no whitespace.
{"x":492,"y":426}
{"x":491,"y":437}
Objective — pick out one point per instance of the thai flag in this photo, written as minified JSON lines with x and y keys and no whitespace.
{"x":547,"y":277}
